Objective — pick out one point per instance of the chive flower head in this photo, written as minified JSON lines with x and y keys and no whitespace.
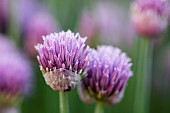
{"x":63,"y":58}
{"x":107,"y":75}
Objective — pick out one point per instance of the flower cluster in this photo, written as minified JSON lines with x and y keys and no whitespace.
{"x":63,"y":58}
{"x":108,"y":73}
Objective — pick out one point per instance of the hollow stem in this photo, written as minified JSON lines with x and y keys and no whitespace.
{"x":99,"y":107}
{"x":143,"y":76}
{"x":64,"y":108}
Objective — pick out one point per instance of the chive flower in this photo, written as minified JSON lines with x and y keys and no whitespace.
{"x":150,"y":17}
{"x":107,"y":75}
{"x":63,"y":58}
{"x":15,"y":74}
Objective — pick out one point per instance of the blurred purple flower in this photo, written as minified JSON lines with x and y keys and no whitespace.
{"x":24,"y":9}
{"x":109,"y":22}
{"x":87,"y":25}
{"x":108,"y":73}
{"x":41,"y":23}
{"x":4,"y":13}
{"x":15,"y":74}
{"x":35,"y":20}
{"x":150,"y":17}
{"x":63,"y":59}
{"x":6,"y":46}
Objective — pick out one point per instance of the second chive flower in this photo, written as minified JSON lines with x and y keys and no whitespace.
{"x":63,"y":58}
{"x":107,"y":76}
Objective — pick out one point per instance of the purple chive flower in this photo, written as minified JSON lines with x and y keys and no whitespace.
{"x":63,"y":58}
{"x":35,"y":28}
{"x":107,"y":75}
{"x":15,"y":75}
{"x":150,"y":17}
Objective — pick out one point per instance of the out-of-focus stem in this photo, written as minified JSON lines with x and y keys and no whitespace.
{"x":143,"y":76}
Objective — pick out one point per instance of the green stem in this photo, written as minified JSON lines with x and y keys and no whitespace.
{"x":143,"y":76}
{"x":64,"y":108}
{"x":99,"y":107}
